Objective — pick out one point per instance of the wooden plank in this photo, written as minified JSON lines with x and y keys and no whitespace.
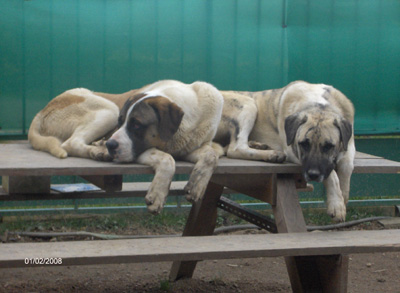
{"x":259,"y":187}
{"x":360,"y":155}
{"x":333,"y":272}
{"x":129,"y":189}
{"x":390,"y":223}
{"x":201,"y":221}
{"x":26,"y":184}
{"x":307,"y":274}
{"x":22,"y":160}
{"x":378,"y":166}
{"x":106,"y":182}
{"x":287,"y":210}
{"x":203,"y":247}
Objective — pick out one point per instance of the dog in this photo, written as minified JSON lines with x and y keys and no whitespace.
{"x":151,"y":125}
{"x":307,"y":124}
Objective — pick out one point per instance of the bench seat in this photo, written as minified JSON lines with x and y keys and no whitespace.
{"x":201,"y":247}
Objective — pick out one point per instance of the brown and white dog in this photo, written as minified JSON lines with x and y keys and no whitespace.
{"x":160,"y":121}
{"x":310,"y":124}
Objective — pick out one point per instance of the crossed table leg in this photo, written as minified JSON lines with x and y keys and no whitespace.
{"x":306,"y":273}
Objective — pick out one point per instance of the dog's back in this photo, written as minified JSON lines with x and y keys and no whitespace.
{"x":67,"y":114}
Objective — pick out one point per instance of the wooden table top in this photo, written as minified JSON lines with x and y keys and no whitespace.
{"x":19,"y":159}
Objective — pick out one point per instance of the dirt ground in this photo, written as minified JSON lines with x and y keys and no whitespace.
{"x":367,"y":273}
{"x":379,"y":272}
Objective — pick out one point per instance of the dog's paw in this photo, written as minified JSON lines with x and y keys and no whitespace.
{"x":337,"y":211}
{"x":100,"y":154}
{"x":100,"y":143}
{"x":194,"y":192}
{"x":103,"y":157}
{"x":106,"y":157}
{"x":276,"y":157}
{"x":258,"y":145}
{"x":154,"y":203}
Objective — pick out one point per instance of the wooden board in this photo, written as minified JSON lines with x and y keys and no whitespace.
{"x":201,"y":248}
{"x":26,"y":184}
{"x":360,"y":155}
{"x":106,"y":182}
{"x":129,"y":189}
{"x":22,"y":160}
{"x":379,"y":166}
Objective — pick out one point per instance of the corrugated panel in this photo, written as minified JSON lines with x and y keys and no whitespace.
{"x":113,"y":46}
{"x":355,"y":46}
{"x":49,"y":46}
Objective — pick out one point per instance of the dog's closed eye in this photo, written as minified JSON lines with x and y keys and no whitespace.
{"x":305,"y":145}
{"x":327,"y":147}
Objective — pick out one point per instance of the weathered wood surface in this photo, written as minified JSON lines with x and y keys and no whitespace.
{"x":201,"y":222}
{"x":259,"y":187}
{"x":106,"y":182}
{"x":22,"y":160}
{"x":202,"y":247}
{"x":129,"y":189}
{"x":306,"y":273}
{"x":26,"y":184}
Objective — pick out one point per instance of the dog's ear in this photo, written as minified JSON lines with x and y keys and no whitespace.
{"x":346,"y":131}
{"x":292,"y":124}
{"x":169,"y":114}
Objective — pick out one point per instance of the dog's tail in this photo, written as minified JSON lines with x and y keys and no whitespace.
{"x":48,"y":144}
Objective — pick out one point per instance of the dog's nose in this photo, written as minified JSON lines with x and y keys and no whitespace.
{"x":112,"y":146}
{"x":313,"y":174}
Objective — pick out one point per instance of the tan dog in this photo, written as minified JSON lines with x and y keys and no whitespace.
{"x":310,"y":124}
{"x":160,"y":121}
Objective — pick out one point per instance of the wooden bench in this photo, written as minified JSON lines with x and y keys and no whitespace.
{"x":200,"y":247}
{"x":315,"y":261}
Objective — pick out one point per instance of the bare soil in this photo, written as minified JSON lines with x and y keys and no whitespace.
{"x":379,"y":272}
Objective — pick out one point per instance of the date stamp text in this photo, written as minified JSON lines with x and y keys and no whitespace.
{"x":43,"y":261}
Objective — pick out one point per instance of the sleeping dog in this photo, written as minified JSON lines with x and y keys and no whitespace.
{"x":160,"y":121}
{"x":310,"y":124}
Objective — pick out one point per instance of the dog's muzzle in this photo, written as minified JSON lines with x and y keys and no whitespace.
{"x":112,"y":146}
{"x":313,"y":175}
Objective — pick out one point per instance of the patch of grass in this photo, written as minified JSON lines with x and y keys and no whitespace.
{"x":319,"y":217}
{"x":165,"y":219}
{"x":165,"y":285}
{"x":167,"y":222}
{"x":112,"y":223}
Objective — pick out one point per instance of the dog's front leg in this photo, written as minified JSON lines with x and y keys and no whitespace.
{"x":206,"y":160}
{"x":344,"y":170}
{"x":334,"y":198}
{"x":164,"y":169}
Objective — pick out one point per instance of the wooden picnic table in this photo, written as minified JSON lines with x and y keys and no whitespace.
{"x":272,"y":183}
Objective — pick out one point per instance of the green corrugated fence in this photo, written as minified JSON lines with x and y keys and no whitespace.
{"x":49,"y":46}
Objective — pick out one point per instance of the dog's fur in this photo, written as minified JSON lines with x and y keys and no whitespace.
{"x":310,"y":124}
{"x":156,"y":123}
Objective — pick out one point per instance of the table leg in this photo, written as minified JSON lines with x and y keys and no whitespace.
{"x":308,"y":273}
{"x":201,"y":222}
{"x":26,"y":184}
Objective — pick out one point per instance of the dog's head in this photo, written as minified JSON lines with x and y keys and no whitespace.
{"x":145,"y":121}
{"x":317,"y":138}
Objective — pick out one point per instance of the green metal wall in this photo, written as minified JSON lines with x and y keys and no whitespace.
{"x":354,"y":45}
{"x":48,"y":46}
